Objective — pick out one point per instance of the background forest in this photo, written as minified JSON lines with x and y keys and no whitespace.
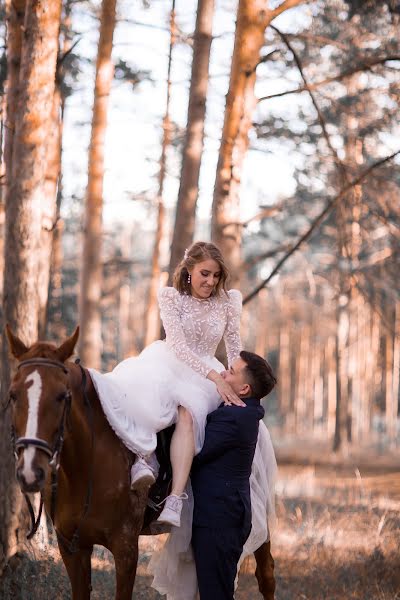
{"x":129,"y":129}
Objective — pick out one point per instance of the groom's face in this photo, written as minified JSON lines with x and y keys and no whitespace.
{"x":236,"y":376}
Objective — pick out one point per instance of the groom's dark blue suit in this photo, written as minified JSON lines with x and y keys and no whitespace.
{"x":221,"y":489}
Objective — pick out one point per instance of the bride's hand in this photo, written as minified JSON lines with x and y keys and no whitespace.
{"x":224,"y":389}
{"x":227,"y":394}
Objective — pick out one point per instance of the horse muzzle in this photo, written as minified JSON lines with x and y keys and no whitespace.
{"x":32,"y":479}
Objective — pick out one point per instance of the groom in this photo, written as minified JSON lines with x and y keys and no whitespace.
{"x":220,"y":479}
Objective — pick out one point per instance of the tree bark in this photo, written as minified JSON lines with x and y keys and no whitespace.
{"x":253,"y":18}
{"x":194,"y":139}
{"x":22,"y":220}
{"x":340,"y":441}
{"x":90,"y":313}
{"x":15,"y":14}
{"x":49,"y":209}
{"x":55,"y":327}
{"x":153,"y":317}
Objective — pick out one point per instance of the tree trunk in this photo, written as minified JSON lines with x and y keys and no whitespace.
{"x":153,"y":317}
{"x":253,"y":18}
{"x":55,"y":327}
{"x":194,"y":138}
{"x":49,"y":209}
{"x":284,"y":370}
{"x":331,"y":386}
{"x":15,"y":14}
{"x":396,"y":365}
{"x":22,"y":225}
{"x":90,"y":314}
{"x":342,"y":399}
{"x":390,"y":401}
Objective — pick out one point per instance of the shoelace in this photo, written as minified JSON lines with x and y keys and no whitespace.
{"x":173,"y":500}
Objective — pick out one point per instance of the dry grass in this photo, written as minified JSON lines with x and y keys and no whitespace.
{"x":337,"y":536}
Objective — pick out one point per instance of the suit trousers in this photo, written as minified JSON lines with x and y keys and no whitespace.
{"x":216,"y":553}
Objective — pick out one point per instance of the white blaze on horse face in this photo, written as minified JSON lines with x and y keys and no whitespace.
{"x":34,"y":393}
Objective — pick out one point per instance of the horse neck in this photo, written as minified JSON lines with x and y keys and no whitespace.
{"x":84,"y":416}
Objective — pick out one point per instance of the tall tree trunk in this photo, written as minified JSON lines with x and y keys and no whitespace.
{"x":90,"y":313}
{"x":194,"y":138}
{"x":153,"y":317}
{"x":49,"y":209}
{"x":15,"y":14}
{"x":253,"y":18}
{"x":284,"y":370}
{"x":55,"y":327}
{"x":331,"y":386}
{"x":23,"y":212}
{"x":340,"y":441}
{"x":391,"y":403}
{"x":396,"y":364}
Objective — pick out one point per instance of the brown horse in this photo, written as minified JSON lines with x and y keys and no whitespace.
{"x":66,"y":450}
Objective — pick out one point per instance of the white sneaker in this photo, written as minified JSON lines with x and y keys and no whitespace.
{"x":142,"y":475}
{"x":171,"y":512}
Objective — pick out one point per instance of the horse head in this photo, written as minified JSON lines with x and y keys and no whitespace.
{"x":40,"y":399}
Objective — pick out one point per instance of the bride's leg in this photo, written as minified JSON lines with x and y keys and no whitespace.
{"x":182,"y":451}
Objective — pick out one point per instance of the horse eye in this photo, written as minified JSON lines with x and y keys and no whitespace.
{"x":61,"y":397}
{"x":12,"y":396}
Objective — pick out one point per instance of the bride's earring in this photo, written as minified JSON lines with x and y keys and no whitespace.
{"x":189,"y":279}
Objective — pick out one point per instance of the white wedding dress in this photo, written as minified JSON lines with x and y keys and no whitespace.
{"x":142,"y":394}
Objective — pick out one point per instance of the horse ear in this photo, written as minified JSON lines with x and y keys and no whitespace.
{"x":67,"y":347}
{"x":17,"y":346}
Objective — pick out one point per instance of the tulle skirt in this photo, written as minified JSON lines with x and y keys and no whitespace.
{"x":142,"y":394}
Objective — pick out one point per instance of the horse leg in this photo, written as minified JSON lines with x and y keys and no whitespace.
{"x":78,"y":567}
{"x":265,"y":571}
{"x":125,"y":558}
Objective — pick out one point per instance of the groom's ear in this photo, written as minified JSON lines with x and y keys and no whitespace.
{"x":246,"y":390}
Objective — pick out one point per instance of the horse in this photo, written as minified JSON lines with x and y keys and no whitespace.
{"x":66,"y":450}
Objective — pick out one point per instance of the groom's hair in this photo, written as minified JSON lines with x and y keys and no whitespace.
{"x":259,"y":374}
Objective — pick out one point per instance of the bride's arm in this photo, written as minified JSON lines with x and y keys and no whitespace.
{"x":233,"y":343}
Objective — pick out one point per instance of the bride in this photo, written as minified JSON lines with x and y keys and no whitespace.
{"x":179,"y":381}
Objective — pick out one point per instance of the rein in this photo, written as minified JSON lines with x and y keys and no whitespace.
{"x":73,"y":546}
{"x":54,"y":455}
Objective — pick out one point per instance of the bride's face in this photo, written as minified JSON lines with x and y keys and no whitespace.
{"x":204,"y":277}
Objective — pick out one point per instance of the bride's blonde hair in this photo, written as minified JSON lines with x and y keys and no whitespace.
{"x":198,"y":252}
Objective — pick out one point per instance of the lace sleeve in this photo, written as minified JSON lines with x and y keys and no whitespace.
{"x":169,"y":311}
{"x":233,"y":343}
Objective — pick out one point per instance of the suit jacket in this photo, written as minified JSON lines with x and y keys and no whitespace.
{"x":221,"y":471}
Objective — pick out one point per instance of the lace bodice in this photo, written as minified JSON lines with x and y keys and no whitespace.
{"x":195,"y":327}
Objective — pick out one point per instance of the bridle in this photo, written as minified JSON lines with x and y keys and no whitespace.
{"x":54,"y":452}
{"x":23,"y":442}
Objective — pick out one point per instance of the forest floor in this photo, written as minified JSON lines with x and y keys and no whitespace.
{"x":336,"y":536}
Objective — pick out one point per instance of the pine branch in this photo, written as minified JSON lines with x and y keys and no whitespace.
{"x":286,"y":5}
{"x":347,"y":73}
{"x":321,"y":119}
{"x":330,"y":205}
